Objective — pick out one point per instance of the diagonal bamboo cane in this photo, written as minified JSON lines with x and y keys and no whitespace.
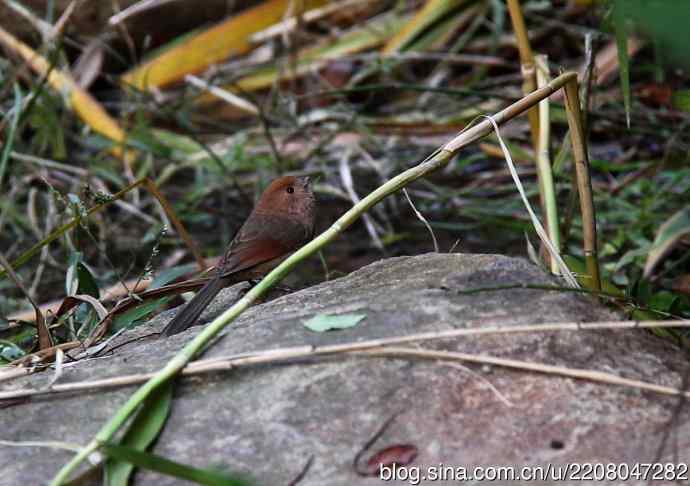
{"x":435,"y":161}
{"x":527,"y":65}
{"x":584,"y":183}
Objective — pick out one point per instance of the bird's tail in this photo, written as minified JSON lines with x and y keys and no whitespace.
{"x":188,"y":315}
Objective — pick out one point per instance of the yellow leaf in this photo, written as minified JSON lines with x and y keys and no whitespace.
{"x":432,"y":12}
{"x":80,"y":101}
{"x":357,"y":40}
{"x":228,"y":38}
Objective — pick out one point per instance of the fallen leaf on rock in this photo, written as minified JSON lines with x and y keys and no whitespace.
{"x":327,"y":322}
{"x":399,"y":455}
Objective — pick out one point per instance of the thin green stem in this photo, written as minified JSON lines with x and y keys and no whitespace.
{"x":56,"y":233}
{"x":546,"y":185}
{"x":9,"y":140}
{"x":555,"y":288}
{"x":435,"y":161}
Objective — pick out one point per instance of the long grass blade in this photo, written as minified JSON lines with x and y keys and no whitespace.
{"x":11,"y":130}
{"x":170,"y":468}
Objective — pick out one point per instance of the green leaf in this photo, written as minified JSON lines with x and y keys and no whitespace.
{"x":10,"y":351}
{"x":176,"y":141}
{"x":641,"y":290}
{"x":169,"y":274}
{"x":326,"y":322}
{"x":577,"y":265}
{"x":23,"y":336}
{"x":663,"y":301}
{"x":665,"y":22}
{"x":165,"y":466}
{"x":87,"y":283}
{"x":142,"y":138}
{"x":127,"y":318}
{"x":681,"y":100}
{"x":45,"y":119}
{"x":141,"y":433}
{"x":71,"y":277}
{"x":667,"y":237}
{"x":433,"y":13}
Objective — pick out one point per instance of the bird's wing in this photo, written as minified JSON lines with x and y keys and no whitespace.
{"x":247,"y":252}
{"x":243,"y":254}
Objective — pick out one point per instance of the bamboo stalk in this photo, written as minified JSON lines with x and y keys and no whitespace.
{"x":546,"y":185}
{"x":527,"y":66}
{"x":530,"y":82}
{"x":435,"y":161}
{"x":584,"y":182}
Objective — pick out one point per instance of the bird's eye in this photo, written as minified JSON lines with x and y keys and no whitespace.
{"x":290,"y":189}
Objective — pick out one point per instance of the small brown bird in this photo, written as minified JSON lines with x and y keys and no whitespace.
{"x":281,"y":222}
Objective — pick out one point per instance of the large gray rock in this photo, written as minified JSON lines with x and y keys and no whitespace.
{"x":267,"y":421}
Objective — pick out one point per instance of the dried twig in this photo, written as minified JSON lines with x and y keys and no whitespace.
{"x":385,"y":347}
{"x":137,"y":8}
{"x":422,"y":219}
{"x":588,"y":375}
{"x":223,"y":94}
{"x":290,"y":23}
{"x":348,"y":184}
{"x":541,"y":232}
{"x":439,"y":159}
{"x":36,"y":443}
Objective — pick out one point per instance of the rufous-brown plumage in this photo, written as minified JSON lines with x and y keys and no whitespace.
{"x":281,"y":222}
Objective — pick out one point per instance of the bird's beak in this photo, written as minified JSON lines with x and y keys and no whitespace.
{"x":306,"y":181}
